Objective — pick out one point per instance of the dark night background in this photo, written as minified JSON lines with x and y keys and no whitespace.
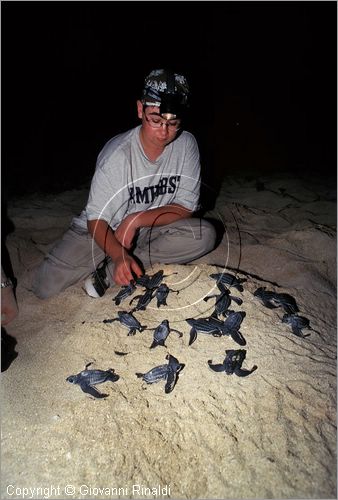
{"x":262,"y":75}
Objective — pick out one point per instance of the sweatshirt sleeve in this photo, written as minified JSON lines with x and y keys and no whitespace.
{"x":108,"y":195}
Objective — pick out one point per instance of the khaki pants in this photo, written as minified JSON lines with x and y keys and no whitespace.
{"x":76,"y":255}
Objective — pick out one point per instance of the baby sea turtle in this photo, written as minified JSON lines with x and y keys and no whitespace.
{"x":223,"y":300}
{"x":143,"y":301}
{"x":297,"y":324}
{"x":161,"y":333}
{"x":125,"y":291}
{"x":142,"y":280}
{"x":129,"y":321}
{"x":274,"y":299}
{"x":87,"y":378}
{"x":202,"y":325}
{"x":168,"y":372}
{"x":233,"y":363}
{"x":229,"y":280}
{"x":231,"y":325}
{"x":233,"y":321}
{"x":162,"y":293}
{"x":217,"y":328}
{"x":153,"y":281}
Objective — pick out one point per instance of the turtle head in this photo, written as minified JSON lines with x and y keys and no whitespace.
{"x":71,"y":379}
{"x":113,"y":376}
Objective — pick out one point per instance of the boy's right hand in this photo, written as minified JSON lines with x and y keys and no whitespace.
{"x":124,"y":267}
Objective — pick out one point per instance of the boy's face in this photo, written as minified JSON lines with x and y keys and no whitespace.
{"x":157,"y":130}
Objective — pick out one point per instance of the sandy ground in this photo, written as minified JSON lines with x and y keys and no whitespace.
{"x":269,"y":435}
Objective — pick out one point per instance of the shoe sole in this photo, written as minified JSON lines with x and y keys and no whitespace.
{"x":91,"y":290}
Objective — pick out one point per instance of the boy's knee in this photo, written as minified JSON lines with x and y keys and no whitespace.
{"x":208,"y":235}
{"x":42,"y":293}
{"x":42,"y":290}
{"x":45,"y":283}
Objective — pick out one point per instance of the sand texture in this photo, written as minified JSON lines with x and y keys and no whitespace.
{"x":271,"y":434}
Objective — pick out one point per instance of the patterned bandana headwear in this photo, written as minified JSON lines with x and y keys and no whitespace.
{"x":155,"y":85}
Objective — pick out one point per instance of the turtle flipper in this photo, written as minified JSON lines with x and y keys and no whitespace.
{"x":113,"y":377}
{"x":267,"y":303}
{"x":156,"y":343}
{"x":217,"y":367}
{"x":180,"y":334}
{"x":288,"y":309}
{"x":134,"y":298}
{"x":238,"y":300}
{"x":110,"y":320}
{"x":89,"y":389}
{"x":193,"y":336}
{"x":209,"y":297}
{"x":171,"y":381}
{"x":288,"y":303}
{"x":180,"y":367}
{"x":238,"y":337}
{"x":242,"y":372}
{"x":297,"y":331}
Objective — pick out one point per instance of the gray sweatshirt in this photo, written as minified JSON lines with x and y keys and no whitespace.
{"x":126,"y":181}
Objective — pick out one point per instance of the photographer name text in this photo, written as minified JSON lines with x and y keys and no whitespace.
{"x":136,"y":490}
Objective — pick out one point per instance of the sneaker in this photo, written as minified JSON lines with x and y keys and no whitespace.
{"x":97,"y":283}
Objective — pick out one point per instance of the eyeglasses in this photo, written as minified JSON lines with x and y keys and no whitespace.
{"x":155,"y":121}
